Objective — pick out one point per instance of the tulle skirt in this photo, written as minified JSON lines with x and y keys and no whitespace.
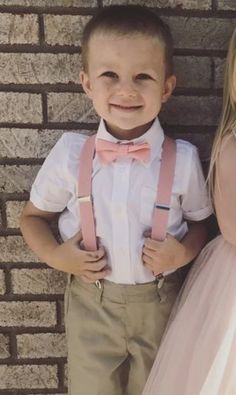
{"x":198,"y":352}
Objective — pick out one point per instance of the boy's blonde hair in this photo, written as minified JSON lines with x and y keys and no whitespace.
{"x":227,"y":123}
{"x":125,"y":20}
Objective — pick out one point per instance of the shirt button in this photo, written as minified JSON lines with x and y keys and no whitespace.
{"x":123,"y":251}
{"x":119,"y":211}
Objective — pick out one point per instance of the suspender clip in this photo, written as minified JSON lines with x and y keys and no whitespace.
{"x":160,"y":280}
{"x":85,"y":199}
{"x":162,"y":206}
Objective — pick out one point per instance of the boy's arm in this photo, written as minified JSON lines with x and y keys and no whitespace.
{"x":67,"y":257}
{"x":170,"y":254}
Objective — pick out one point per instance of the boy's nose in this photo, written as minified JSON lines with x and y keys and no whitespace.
{"x":127,"y":90}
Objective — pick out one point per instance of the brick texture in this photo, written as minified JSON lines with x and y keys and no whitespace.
{"x":64,"y":29}
{"x":40,"y":98}
{"x":227,"y":5}
{"x":18,"y":107}
{"x":50,"y":3}
{"x":185,"y":4}
{"x":17,"y":178}
{"x":13,"y":209}
{"x":28,"y":376}
{"x":24,"y":68}
{"x":19,"y":29}
{"x":14,"y":249}
{"x":27,"y":143}
{"x":203,"y":33}
{"x":191,"y":110}
{"x":27,"y":314}
{"x":41,"y":345}
{"x":219,"y":72}
{"x":66,"y":107}
{"x":2,"y":282}
{"x":4,"y":347}
{"x":38,"y":281}
{"x":193,"y":71}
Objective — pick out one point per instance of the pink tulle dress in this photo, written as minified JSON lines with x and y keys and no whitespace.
{"x":198,"y":351}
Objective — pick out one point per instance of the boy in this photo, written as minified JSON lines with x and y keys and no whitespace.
{"x":116,"y":311}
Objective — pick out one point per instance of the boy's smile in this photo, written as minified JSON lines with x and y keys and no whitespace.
{"x":126,"y":81}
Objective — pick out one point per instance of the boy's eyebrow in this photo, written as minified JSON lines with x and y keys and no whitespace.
{"x":137,"y":69}
{"x":107,"y":65}
{"x":147,"y":69}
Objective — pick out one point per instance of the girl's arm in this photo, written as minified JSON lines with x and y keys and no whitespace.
{"x":67,"y":257}
{"x":225,"y":189}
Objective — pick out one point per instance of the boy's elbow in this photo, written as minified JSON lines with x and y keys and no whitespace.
{"x":23,"y":219}
{"x":28,"y":212}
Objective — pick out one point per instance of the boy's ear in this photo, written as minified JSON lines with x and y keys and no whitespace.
{"x":85,"y":82}
{"x":169,"y":86}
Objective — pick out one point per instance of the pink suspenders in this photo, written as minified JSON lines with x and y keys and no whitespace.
{"x":85,"y":195}
{"x":164,"y":188}
{"x":162,"y":205}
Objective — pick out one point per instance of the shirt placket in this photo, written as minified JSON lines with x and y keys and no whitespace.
{"x":120,"y":231}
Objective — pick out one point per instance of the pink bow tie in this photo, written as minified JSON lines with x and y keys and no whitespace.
{"x":108,"y":152}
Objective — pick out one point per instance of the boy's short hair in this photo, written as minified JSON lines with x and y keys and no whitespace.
{"x":126,"y":20}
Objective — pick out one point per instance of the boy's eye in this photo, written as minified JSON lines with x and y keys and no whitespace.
{"x":143,"y":76}
{"x":109,"y":74}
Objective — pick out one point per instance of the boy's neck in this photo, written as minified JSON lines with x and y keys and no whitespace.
{"x":131,"y":134}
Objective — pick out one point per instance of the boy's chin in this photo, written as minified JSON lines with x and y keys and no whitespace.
{"x":129,"y":131}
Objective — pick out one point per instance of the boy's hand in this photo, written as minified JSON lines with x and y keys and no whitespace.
{"x":70,"y":258}
{"x":162,"y":256}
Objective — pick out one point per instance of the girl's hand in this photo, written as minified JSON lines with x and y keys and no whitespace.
{"x":70,"y":258}
{"x":162,"y":256}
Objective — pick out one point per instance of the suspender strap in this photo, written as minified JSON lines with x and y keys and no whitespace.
{"x":85,"y":195}
{"x":166,"y":178}
{"x":162,"y":206}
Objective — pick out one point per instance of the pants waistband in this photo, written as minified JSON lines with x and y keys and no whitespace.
{"x":122,"y":293}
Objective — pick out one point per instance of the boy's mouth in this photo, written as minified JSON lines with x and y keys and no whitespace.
{"x":125,"y":108}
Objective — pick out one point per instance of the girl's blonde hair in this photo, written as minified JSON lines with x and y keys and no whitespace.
{"x":227,"y":123}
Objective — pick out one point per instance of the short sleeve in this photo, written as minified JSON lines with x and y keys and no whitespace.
{"x":196,"y":204}
{"x":50,"y":190}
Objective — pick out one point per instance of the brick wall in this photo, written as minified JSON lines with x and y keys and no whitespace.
{"x":40,"y":97}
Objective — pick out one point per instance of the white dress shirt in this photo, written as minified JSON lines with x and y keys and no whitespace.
{"x":124,"y":194}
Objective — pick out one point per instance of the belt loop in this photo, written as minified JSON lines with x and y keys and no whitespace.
{"x":100,"y":287}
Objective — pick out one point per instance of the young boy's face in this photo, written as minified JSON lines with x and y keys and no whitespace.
{"x":126,"y":81}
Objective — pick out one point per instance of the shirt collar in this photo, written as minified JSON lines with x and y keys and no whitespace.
{"x":154,"y":136}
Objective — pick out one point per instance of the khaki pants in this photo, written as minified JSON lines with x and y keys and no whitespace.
{"x":113,"y":333}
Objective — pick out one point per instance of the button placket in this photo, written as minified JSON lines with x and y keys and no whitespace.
{"x":122,"y":264}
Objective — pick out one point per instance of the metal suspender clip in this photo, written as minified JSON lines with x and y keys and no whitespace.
{"x":85,"y":199}
{"x":162,"y":206}
{"x":98,"y":284}
{"x":160,"y":280}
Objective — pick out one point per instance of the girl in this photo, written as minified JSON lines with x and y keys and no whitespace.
{"x":198,"y":352}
